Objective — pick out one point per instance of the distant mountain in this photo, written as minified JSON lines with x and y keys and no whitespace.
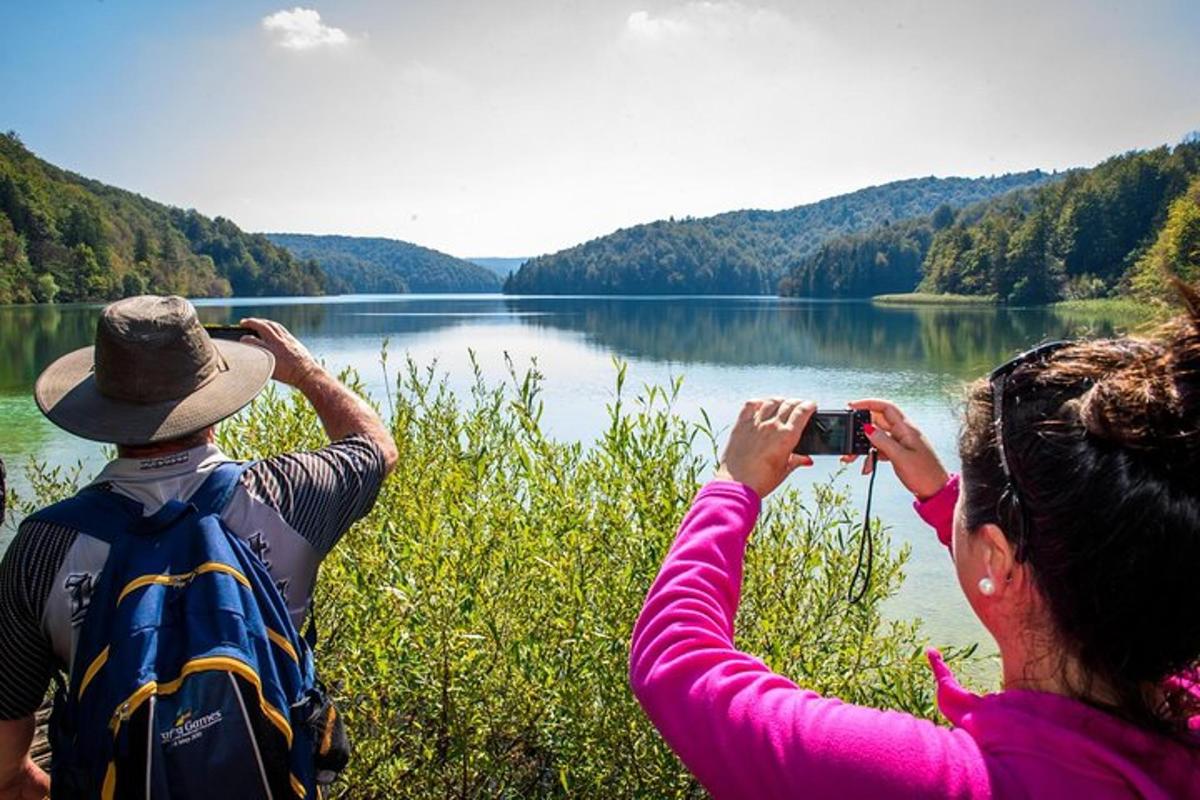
{"x":501,"y":266}
{"x":362,"y":264}
{"x":740,"y":252}
{"x":64,"y":237}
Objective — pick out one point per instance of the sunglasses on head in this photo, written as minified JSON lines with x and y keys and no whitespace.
{"x":997,"y":379}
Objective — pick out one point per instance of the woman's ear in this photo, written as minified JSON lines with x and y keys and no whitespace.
{"x":999,"y":562}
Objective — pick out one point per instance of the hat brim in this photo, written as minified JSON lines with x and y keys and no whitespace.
{"x":66,"y":393}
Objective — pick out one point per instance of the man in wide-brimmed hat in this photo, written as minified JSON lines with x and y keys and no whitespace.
{"x":155,"y":384}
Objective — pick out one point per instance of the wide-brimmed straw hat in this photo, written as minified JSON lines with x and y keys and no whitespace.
{"x":153,"y":375}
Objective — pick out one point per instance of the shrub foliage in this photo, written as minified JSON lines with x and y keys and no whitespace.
{"x":476,"y":624}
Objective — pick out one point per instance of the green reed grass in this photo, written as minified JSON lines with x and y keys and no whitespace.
{"x":931,"y":299}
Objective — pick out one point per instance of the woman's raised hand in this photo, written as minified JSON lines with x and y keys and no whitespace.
{"x":759,"y":452}
{"x":903,"y":444}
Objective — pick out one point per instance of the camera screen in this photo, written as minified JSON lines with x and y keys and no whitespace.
{"x":825,"y":433}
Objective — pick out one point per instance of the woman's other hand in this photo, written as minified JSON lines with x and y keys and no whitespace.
{"x":759,"y":451}
{"x":903,"y":444}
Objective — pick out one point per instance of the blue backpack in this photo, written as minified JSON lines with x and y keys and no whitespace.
{"x":189,"y":679}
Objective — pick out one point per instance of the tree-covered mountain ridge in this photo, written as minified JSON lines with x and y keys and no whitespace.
{"x":742,"y":252}
{"x":1119,"y":228}
{"x":377,"y":265}
{"x":67,"y":238}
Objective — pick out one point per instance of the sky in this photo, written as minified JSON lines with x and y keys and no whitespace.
{"x":514,"y":128}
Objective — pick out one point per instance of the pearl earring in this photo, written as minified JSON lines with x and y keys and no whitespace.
{"x":987,"y":587}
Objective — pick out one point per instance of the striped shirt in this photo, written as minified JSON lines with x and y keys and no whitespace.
{"x":291,"y":510}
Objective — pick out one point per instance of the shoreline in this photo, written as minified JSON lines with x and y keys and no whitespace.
{"x":1121,"y":307}
{"x":929,"y":299}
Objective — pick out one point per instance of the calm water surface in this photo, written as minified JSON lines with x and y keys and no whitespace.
{"x":726,"y":349}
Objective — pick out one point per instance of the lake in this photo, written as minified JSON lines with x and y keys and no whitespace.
{"x":726,"y":350}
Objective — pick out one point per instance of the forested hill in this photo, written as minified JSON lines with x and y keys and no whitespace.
{"x":889,"y":258}
{"x":67,"y":238}
{"x":375,"y":265}
{"x":1116,"y":228}
{"x":741,"y":252}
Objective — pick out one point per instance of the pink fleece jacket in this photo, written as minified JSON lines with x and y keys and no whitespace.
{"x":747,"y":732}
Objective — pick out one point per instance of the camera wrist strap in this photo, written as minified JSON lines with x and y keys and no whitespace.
{"x":866,"y":545}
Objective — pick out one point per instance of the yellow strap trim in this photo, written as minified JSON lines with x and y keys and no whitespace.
{"x":283,"y":644}
{"x":327,"y":736}
{"x":92,"y":669}
{"x":206,"y":664}
{"x":181,"y":579}
{"x":298,"y":787}
{"x":110,"y":782}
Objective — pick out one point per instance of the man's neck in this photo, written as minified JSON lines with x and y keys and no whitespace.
{"x":160,"y":449}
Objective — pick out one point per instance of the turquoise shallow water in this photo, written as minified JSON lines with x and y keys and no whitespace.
{"x":726,"y":350}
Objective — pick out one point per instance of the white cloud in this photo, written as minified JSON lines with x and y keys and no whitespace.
{"x":710,"y":18}
{"x":641,"y":25}
{"x":302,"y":29}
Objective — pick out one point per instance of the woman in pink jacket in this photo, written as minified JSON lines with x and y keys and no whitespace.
{"x":1075,"y":534}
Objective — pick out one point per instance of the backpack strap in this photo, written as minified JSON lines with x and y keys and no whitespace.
{"x":96,"y":511}
{"x":217,"y":490}
{"x":107,"y":515}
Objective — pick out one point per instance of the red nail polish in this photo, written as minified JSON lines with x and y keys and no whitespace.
{"x":868,"y":429}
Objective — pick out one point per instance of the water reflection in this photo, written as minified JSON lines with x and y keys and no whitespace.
{"x":33,"y":336}
{"x":961,"y":342}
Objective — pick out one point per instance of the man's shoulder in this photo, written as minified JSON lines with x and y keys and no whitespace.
{"x":320,"y":493}
{"x":355,"y":454}
{"x":355,"y":447}
{"x":99,"y":511}
{"x":44,"y":537}
{"x":62,"y":518}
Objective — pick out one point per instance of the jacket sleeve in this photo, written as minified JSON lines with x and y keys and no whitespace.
{"x":745,"y":731}
{"x":938,"y":511}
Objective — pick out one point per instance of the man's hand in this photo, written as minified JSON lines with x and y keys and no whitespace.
{"x":899,"y":441}
{"x":29,"y":783}
{"x":293,"y":362}
{"x":342,"y":412}
{"x":20,"y":778}
{"x":759,"y":452}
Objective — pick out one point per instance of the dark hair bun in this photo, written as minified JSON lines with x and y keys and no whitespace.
{"x":1144,"y":394}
